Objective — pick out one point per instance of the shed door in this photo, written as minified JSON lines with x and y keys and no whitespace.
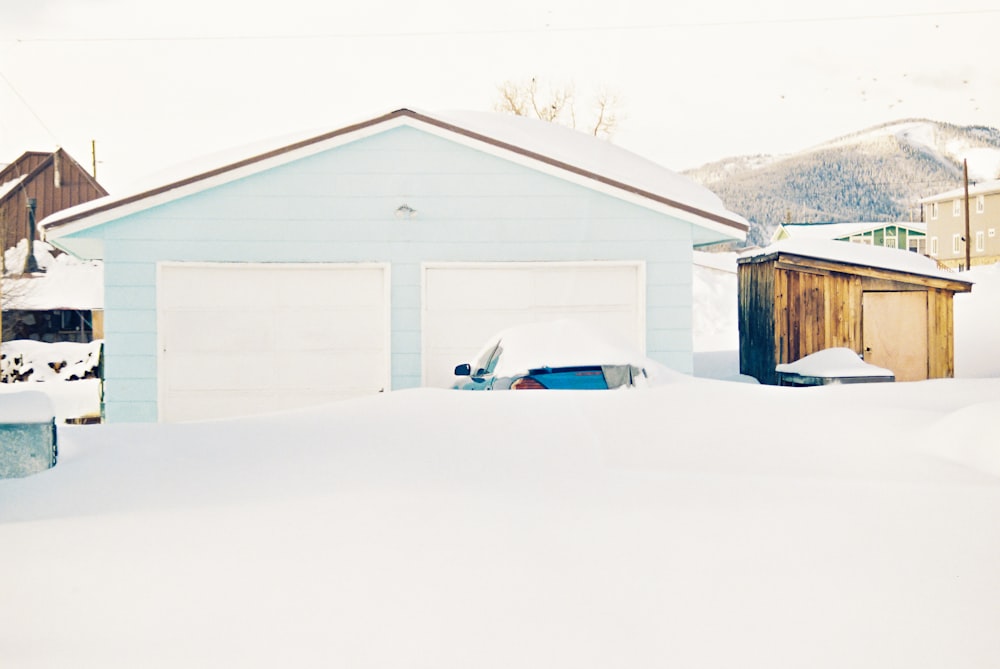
{"x":466,"y":303}
{"x":240,"y":339}
{"x":894,"y":332}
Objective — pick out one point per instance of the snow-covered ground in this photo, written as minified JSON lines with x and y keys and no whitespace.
{"x":701,"y":523}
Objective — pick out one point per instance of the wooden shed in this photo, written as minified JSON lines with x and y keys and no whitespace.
{"x":892,"y":307}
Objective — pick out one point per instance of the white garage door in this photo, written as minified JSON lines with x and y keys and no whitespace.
{"x":240,"y":339}
{"x":464,"y":304}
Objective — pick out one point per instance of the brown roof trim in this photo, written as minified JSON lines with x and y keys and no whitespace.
{"x":382,"y":119}
{"x":956,"y":284}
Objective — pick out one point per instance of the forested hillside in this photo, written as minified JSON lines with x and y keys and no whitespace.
{"x":876,"y":175}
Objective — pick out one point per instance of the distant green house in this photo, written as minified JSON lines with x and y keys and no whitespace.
{"x":909,"y":236}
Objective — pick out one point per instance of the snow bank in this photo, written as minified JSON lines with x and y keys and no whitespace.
{"x":977,"y":325}
{"x":64,"y":283}
{"x":659,"y":528}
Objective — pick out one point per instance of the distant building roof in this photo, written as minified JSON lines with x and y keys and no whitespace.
{"x":840,"y":230}
{"x":978,"y":188}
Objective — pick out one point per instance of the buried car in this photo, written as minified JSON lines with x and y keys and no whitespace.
{"x":559,"y":355}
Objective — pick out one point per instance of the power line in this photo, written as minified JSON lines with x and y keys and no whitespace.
{"x":31,"y":109}
{"x":508,"y":31}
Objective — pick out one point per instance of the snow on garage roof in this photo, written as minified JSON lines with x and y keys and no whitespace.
{"x":547,"y":146}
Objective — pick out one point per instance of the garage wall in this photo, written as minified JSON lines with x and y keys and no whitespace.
{"x":342,"y":206}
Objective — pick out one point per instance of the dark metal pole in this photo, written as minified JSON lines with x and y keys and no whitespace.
{"x":30,"y":264}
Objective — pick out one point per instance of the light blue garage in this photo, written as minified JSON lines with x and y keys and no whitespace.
{"x":377,"y":256}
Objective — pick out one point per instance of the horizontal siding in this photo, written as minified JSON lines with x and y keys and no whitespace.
{"x":340,"y":206}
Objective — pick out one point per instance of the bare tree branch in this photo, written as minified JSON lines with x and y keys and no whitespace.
{"x":557,"y":105}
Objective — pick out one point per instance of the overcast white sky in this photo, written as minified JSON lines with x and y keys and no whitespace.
{"x":160,"y":83}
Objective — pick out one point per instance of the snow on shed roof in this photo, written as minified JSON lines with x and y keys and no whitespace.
{"x":861,"y":255}
{"x":548,"y":146}
{"x":837,"y":230}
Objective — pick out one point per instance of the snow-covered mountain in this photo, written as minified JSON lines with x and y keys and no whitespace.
{"x":877,"y":174}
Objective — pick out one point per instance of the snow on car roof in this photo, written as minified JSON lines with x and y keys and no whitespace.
{"x":560,"y":343}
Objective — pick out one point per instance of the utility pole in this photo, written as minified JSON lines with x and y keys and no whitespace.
{"x":968,"y":240}
{"x":93,"y":158}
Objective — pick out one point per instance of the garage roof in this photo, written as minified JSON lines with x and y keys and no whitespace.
{"x":546,"y":146}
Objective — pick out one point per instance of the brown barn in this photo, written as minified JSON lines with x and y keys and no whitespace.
{"x":892,"y":307}
{"x":54,"y":180}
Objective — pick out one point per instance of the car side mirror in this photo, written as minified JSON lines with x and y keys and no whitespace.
{"x":463,"y":370}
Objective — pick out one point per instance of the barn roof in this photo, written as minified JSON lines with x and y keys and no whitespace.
{"x":549,"y":147}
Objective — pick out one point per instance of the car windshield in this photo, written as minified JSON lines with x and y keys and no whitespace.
{"x":487,"y":361}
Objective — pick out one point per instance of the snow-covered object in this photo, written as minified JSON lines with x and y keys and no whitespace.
{"x":26,"y":360}
{"x":26,"y":407}
{"x":859,"y":254}
{"x":558,"y":343}
{"x":833,"y":363}
{"x":65,"y":282}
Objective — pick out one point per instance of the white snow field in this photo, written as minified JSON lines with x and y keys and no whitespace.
{"x":701,"y":523}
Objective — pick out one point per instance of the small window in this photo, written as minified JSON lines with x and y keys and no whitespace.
{"x":890,"y":242}
{"x":956,"y":243}
{"x":934,"y":246}
{"x":934,"y":209}
{"x":980,"y":241}
{"x":956,"y":207}
{"x":980,"y":204}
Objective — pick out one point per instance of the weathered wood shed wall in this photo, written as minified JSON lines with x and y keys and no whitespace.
{"x":792,"y":305}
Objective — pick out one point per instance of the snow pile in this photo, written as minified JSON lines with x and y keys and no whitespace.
{"x":716,"y":307}
{"x":26,"y":407}
{"x":832,"y":363}
{"x":26,"y":360}
{"x":64,"y":282}
{"x":977,"y":325}
{"x":657,"y":528}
